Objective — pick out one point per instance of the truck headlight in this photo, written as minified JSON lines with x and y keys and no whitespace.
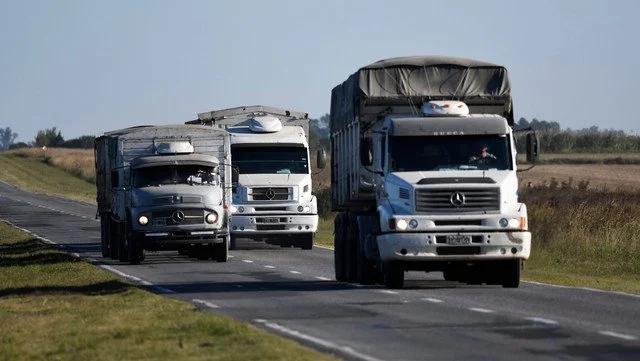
{"x":143,"y":220}
{"x":307,"y":209}
{"x":241,"y":209}
{"x":211,"y":218}
{"x":514,"y":223}
{"x":503,"y":222}
{"x":413,"y":224}
{"x":234,"y":209}
{"x":401,"y":224}
{"x":300,"y":208}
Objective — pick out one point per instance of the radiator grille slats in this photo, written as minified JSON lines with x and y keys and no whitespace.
{"x":271,"y":194}
{"x":460,"y":199}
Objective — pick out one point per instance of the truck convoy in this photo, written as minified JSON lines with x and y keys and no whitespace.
{"x":272,"y":201}
{"x":164,"y":188}
{"x":423,"y":162}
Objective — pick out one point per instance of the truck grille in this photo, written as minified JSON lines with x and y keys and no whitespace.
{"x":176,"y":217}
{"x":271,"y":194}
{"x":457,"y":200}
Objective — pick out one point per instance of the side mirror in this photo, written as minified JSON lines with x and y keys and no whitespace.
{"x":321,"y":158}
{"x":533,"y":147}
{"x":235,"y":174}
{"x":366,"y":158}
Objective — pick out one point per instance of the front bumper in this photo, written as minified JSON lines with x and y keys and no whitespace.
{"x":415,"y":247}
{"x":258,"y":224}
{"x":175,"y":239}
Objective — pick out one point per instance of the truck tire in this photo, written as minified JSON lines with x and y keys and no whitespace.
{"x":338,"y":248}
{"x":511,"y":270}
{"x":351,"y":250}
{"x":123,"y":255}
{"x":113,"y":239}
{"x":104,"y":236}
{"x":221,"y":250}
{"x":366,"y":268}
{"x":393,"y":275}
{"x":232,"y":243}
{"x":134,"y":252}
{"x":306,"y":241}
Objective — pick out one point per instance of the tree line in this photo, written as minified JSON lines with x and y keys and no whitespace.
{"x":50,"y":137}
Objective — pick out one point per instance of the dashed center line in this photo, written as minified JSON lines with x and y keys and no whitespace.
{"x":295,"y":272}
{"x":323,"y":278}
{"x":481,"y":310}
{"x":618,"y":335}
{"x":269,"y":266}
{"x":247,"y":261}
{"x":389,"y":292}
{"x":542,"y":320}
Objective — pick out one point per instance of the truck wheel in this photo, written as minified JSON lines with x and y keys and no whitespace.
{"x":306,"y":241}
{"x":338,"y":249}
{"x":113,"y":239}
{"x":221,"y":250}
{"x":511,"y":270}
{"x":123,"y":256}
{"x":366,"y":269}
{"x":393,"y":275}
{"x":104,"y":236}
{"x":232,"y":243}
{"x":351,"y":251}
{"x":134,"y":251}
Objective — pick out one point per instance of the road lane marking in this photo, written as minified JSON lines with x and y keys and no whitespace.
{"x":618,"y":335}
{"x":323,"y":278}
{"x":346,"y":350}
{"x":206,"y":303}
{"x":389,"y":292}
{"x":295,"y":272}
{"x":542,"y":320}
{"x":432,"y":300}
{"x":481,"y":310}
{"x":582,"y":288}
{"x":269,"y":266}
{"x":247,"y":261}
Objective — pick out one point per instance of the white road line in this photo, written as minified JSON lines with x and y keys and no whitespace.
{"x":481,"y":310}
{"x":206,"y":303}
{"x":583,"y":288}
{"x":389,"y":292}
{"x":247,"y":261}
{"x":323,"y":278}
{"x":294,"y":272}
{"x":432,"y":300}
{"x":618,"y":335}
{"x":542,"y":320}
{"x":269,"y":266}
{"x":230,"y":256}
{"x":316,"y":340}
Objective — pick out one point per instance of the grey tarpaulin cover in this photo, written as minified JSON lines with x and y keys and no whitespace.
{"x":410,"y":81}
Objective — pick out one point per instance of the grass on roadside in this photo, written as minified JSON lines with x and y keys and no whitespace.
{"x":34,"y":175}
{"x":53,"y":306}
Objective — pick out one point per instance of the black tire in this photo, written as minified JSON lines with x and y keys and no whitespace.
{"x":366,"y":268}
{"x":393,"y":275}
{"x":123,"y":255}
{"x":338,"y":249}
{"x":221,"y":250}
{"x":511,"y":270}
{"x":306,"y":241}
{"x":113,"y":239}
{"x":232,"y":243}
{"x":203,"y":252}
{"x":451,"y":274}
{"x":351,"y":251}
{"x":104,"y":236}
{"x":135,"y":253}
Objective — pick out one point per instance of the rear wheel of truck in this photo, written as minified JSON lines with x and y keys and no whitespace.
{"x":393,"y":275}
{"x":338,"y":249}
{"x":511,"y":270}
{"x":221,"y":250}
{"x":351,"y":250}
{"x":306,"y":241}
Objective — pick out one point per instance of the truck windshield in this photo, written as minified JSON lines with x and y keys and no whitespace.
{"x":270,"y":160}
{"x":439,"y":153}
{"x":174,"y":174}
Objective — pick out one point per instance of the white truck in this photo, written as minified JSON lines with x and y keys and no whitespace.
{"x":164,"y":188}
{"x":420,"y":183}
{"x":273,"y":200}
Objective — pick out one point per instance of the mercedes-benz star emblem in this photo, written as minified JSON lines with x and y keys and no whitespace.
{"x":457,"y":199}
{"x":270,"y":193}
{"x":177,"y":216}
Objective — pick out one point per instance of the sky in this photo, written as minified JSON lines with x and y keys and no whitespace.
{"x":88,"y":66}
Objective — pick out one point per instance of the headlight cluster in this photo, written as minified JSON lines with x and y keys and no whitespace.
{"x":305,"y":209}
{"x":513,"y":223}
{"x":402,"y":224}
{"x":211,"y":218}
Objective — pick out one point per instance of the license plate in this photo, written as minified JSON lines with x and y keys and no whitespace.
{"x":271,"y":220}
{"x":458,"y":239}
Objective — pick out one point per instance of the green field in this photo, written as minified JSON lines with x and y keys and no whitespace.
{"x":56,"y":307}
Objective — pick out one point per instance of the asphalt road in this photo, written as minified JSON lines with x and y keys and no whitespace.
{"x":291,"y":292}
